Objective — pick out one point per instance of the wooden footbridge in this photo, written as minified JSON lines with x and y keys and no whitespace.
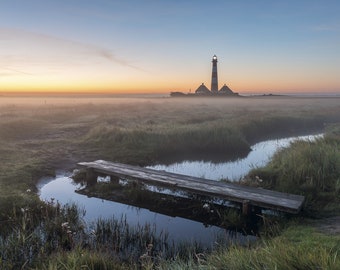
{"x":247,"y":196}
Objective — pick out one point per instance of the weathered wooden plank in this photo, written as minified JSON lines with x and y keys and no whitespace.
{"x":233,"y":192}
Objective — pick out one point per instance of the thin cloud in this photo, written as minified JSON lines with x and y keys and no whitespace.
{"x":41,"y":49}
{"x":7,"y":72}
{"x":111,"y":57}
{"x":327,"y":28}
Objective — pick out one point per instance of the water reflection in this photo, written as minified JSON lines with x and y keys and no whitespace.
{"x":259,"y":156}
{"x":62,"y":189}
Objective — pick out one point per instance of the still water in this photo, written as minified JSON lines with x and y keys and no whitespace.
{"x":62,"y":189}
{"x":260,"y":155}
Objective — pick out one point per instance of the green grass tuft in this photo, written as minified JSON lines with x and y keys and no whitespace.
{"x":310,"y":169}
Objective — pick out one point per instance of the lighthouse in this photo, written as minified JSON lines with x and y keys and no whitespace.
{"x":203,"y":91}
{"x":214,"y":81}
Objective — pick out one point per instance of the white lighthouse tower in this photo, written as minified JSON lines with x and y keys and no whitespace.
{"x":214,"y":80}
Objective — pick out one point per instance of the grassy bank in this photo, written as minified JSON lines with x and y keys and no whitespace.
{"x":307,"y":168}
{"x":37,"y":139}
{"x":298,"y":247}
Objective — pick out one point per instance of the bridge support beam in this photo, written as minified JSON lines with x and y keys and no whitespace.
{"x":91,"y":177}
{"x":246,"y":207}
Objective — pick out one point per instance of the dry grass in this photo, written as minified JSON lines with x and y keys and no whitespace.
{"x":41,"y":134}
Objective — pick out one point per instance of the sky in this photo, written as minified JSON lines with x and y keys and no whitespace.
{"x":158,"y":46}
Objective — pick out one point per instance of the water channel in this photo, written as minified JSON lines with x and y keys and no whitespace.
{"x":62,"y":189}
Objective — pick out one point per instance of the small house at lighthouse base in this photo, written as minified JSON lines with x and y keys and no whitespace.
{"x":202,"y":90}
{"x":225,"y":90}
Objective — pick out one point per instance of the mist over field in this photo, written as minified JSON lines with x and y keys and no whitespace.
{"x":99,"y":99}
{"x":40,"y":135}
{"x":158,"y":114}
{"x":141,"y":103}
{"x":146,"y":130}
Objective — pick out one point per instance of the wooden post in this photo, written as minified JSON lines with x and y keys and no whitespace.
{"x":91,"y":177}
{"x":246,"y":207}
{"x":114,"y":179}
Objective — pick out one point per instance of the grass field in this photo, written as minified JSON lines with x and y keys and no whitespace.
{"x":41,"y":134}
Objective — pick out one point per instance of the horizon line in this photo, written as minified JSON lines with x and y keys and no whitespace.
{"x":107,"y":93}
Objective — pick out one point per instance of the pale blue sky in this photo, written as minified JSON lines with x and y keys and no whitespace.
{"x":167,"y":45}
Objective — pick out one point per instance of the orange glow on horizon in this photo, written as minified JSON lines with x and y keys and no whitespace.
{"x":160,"y":87}
{"x":157,"y":89}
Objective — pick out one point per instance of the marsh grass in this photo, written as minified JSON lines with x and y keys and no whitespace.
{"x":22,"y":128}
{"x":140,"y":243}
{"x":171,"y":142}
{"x":84,"y":259}
{"x":297,"y":248}
{"x":310,"y":169}
{"x":35,"y":231}
{"x":51,"y":236}
{"x":277,"y":126}
{"x":168,"y":144}
{"x":38,"y":138}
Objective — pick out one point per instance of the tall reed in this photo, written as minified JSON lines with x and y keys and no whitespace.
{"x":37,"y":231}
{"x":296,"y":248}
{"x":309,"y":168}
{"x":172,"y":143}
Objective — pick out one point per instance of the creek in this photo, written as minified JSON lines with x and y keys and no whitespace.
{"x":62,"y":189}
